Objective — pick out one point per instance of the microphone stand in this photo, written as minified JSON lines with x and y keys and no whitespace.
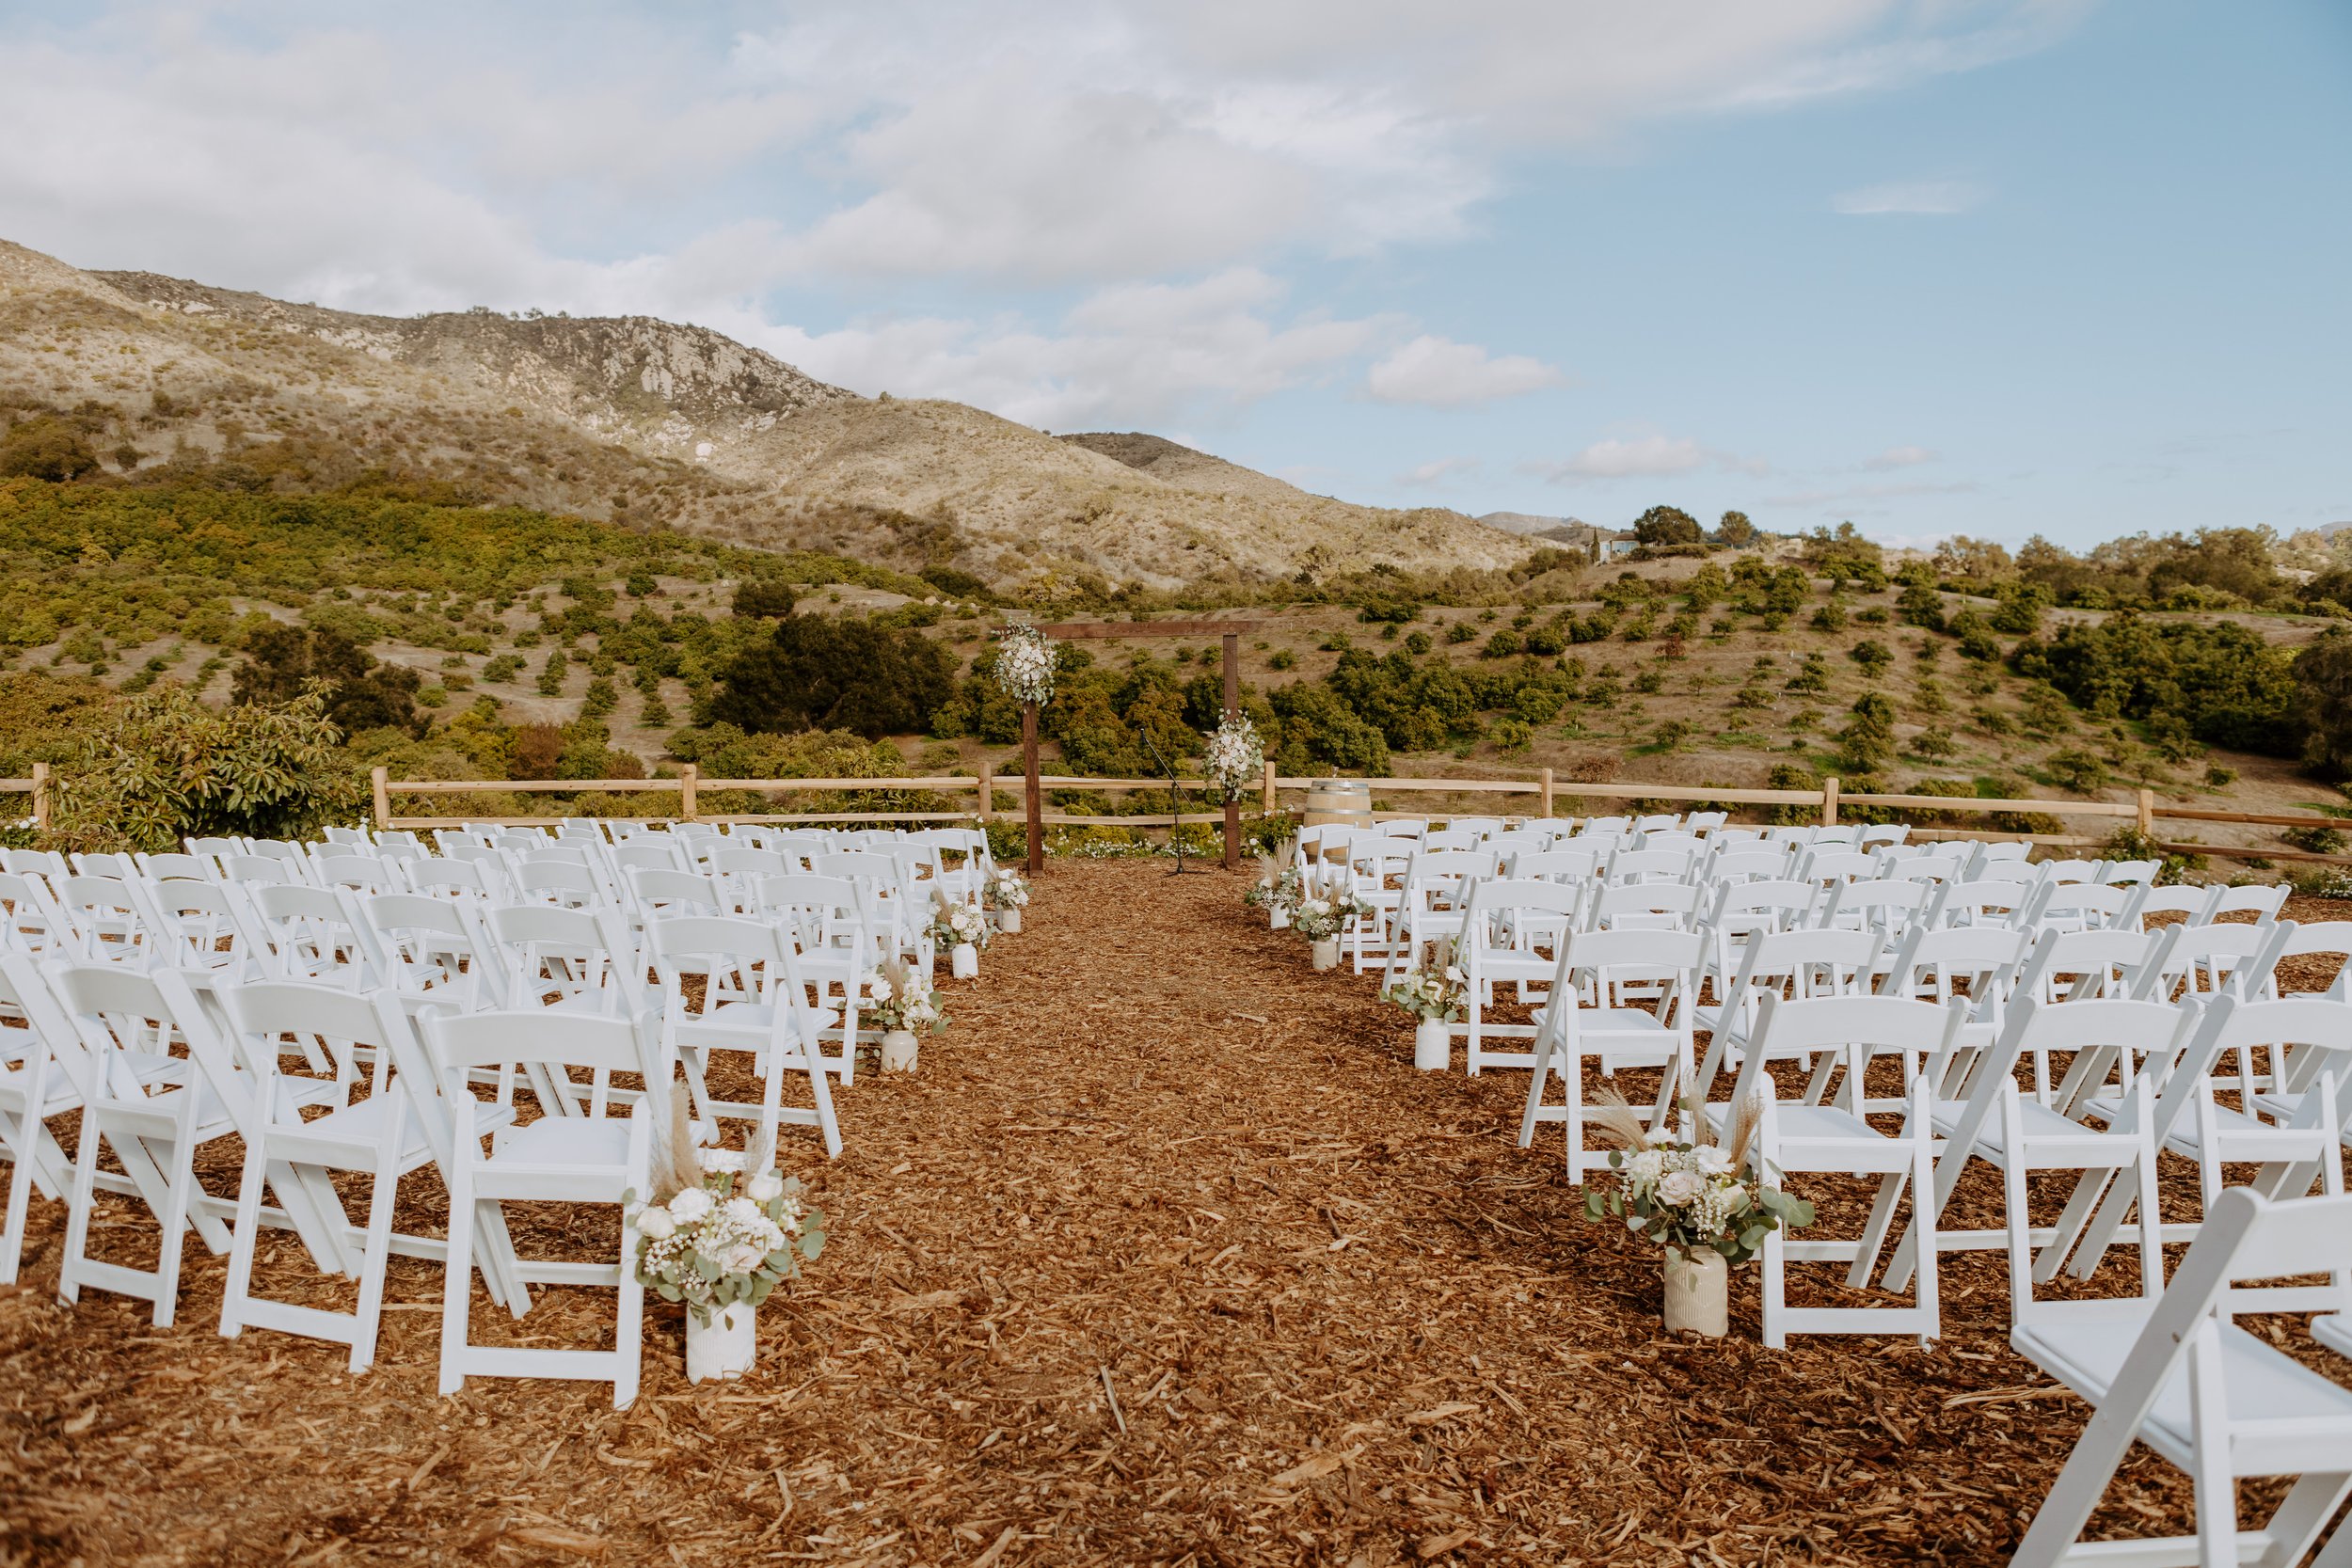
{"x":1175,"y":801}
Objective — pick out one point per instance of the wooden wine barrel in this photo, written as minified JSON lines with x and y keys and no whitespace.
{"x":1344,"y":802}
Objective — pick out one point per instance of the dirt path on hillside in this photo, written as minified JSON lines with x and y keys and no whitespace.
{"x":1156,"y":1160}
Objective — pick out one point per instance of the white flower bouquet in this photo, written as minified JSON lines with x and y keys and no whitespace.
{"x":1277,"y":886}
{"x":717,"y":1238}
{"x":1692,"y":1195}
{"x":954,"y":921}
{"x":1007,"y":889}
{"x":899,"y":998}
{"x":1437,"y":994}
{"x":1236,"y":761}
{"x":1025,"y":666}
{"x":1325,"y":915}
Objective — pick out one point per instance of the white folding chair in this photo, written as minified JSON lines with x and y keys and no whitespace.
{"x":598,"y":1159}
{"x":1794,"y":1138}
{"x":753,"y":1000}
{"x":1594,"y":1011}
{"x":1513,"y":934}
{"x":34,"y":1086}
{"x":397,"y":1129}
{"x":2213,"y":1400}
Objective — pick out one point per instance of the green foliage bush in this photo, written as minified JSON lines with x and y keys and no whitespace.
{"x":822,"y":671}
{"x":163,"y":767}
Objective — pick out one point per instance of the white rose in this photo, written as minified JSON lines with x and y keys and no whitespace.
{"x":766,"y":1187}
{"x":1713,"y":1161}
{"x":880,"y":990}
{"x":742,"y":1258}
{"x":744,"y":1213}
{"x":1681,"y":1187}
{"x":689,"y":1204}
{"x":717,"y":1160}
{"x":1646,"y":1165}
{"x":656,"y":1225}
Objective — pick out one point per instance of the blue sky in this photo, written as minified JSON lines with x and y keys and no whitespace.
{"x":1986,"y":266}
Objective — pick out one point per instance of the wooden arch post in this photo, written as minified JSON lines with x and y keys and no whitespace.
{"x":1230,"y":631}
{"x":1033,"y":795}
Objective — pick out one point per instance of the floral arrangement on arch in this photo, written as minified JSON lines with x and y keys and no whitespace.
{"x":1007,"y":889}
{"x":1438,"y":994}
{"x":1236,"y":761}
{"x":1025,"y":665}
{"x":1691,"y":1193}
{"x":701,"y":1241}
{"x":899,"y":998}
{"x":954,"y":921}
{"x":1325,"y":915}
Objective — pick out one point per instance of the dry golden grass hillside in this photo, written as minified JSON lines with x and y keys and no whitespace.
{"x":637,"y":420}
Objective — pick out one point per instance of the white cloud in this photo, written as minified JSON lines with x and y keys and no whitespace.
{"x":1923,"y":197}
{"x":1898,"y":457}
{"x":1643,"y":456}
{"x":1055,"y":163}
{"x":1140,"y":353}
{"x":1436,"y":471}
{"x":1440,"y":372}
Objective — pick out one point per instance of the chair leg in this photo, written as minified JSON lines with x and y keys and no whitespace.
{"x":382,"y":1199}
{"x":250,"y":1182}
{"x":457,"y":1272}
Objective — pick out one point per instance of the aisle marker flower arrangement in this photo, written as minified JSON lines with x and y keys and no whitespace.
{"x":1438,"y":994}
{"x":1007,"y":889}
{"x":1236,"y":761}
{"x":1325,"y":915}
{"x":901,"y":998}
{"x":706,"y":1243}
{"x":1025,"y":665}
{"x":1277,"y":879}
{"x":1685,"y":1194}
{"x":954,"y":921}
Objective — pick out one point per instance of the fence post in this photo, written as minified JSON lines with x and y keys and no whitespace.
{"x":1829,"y":802}
{"x":2147,"y":803}
{"x":1547,"y":794}
{"x":1268,"y":805}
{"x":380,"y":790}
{"x":988,"y":792}
{"x":40,"y":795}
{"x":688,"y":781}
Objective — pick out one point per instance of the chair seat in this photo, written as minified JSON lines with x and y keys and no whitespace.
{"x":1797,"y":1122}
{"x":363,"y":1122}
{"x":2083,"y":1344}
{"x":563,"y":1141}
{"x":2039,"y":1119}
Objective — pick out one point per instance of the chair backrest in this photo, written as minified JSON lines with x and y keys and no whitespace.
{"x":2313,"y":937}
{"x":1564,"y":865}
{"x":1834,"y":863}
{"x":1648,"y":865}
{"x":1981,"y":901}
{"x":672,"y":891}
{"x":2080,"y":905}
{"x":1605,"y":964}
{"x":1890,"y":906}
{"x":2129,"y":873}
{"x":1735,"y":863}
{"x":1857,"y":1025}
{"x":1443,"y":839}
{"x":2262,"y":903}
{"x":1931,"y":960}
{"x":1651,"y":904}
{"x":2054,"y":872}
{"x":579,"y":954}
{"x":552,"y":881}
{"x":2103,"y":963}
{"x":457,"y":1044}
{"x":313,"y":933}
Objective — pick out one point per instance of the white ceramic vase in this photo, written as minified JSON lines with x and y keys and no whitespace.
{"x":964,"y":961}
{"x":1278,"y":917}
{"x":1008,"y":921}
{"x":1697,"y":1293}
{"x":899,"y":1049}
{"x":1325,"y":954}
{"x":1433,"y":1045}
{"x":725,"y":1347}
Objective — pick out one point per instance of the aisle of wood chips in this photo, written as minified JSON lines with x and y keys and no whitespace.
{"x":1345,"y":1320}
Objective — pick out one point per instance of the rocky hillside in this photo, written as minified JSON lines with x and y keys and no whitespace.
{"x":634,"y":420}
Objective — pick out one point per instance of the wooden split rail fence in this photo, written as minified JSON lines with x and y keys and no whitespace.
{"x":1540,"y":795}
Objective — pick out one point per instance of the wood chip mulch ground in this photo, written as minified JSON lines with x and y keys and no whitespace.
{"x":1167,"y":1254}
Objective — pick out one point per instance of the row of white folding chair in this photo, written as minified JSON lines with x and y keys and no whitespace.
{"x":112,"y":1029}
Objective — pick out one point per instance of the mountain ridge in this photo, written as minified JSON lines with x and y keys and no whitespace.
{"x":634,"y":420}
